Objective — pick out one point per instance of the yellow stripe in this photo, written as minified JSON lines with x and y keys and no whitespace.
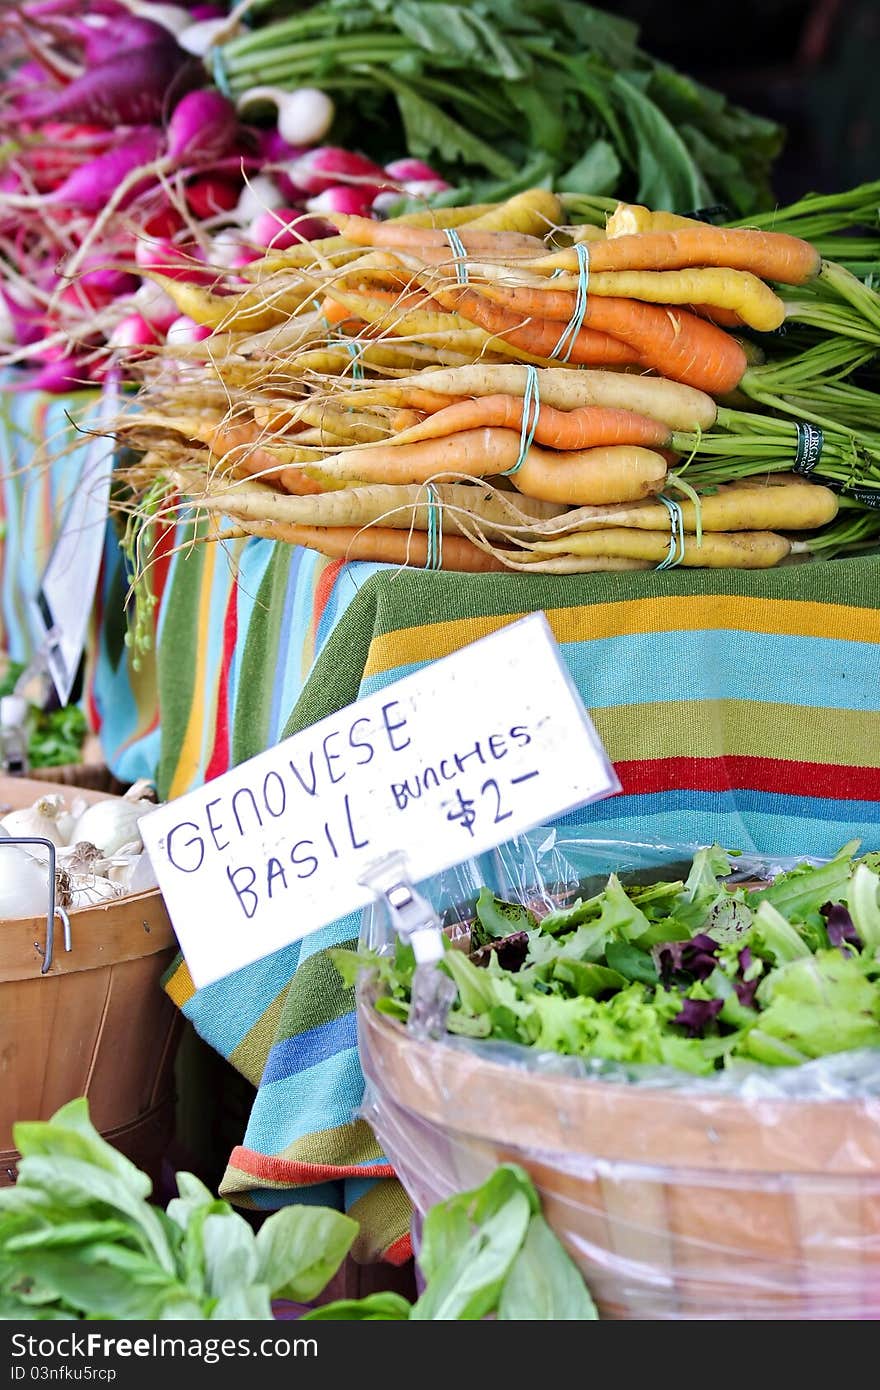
{"x":383,"y":1214}
{"x":739,"y":728}
{"x":249,"y":1057}
{"x":585,"y":622}
{"x":188,"y":770}
{"x":180,"y":988}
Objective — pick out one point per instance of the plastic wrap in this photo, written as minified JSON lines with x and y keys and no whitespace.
{"x":752,"y":1193}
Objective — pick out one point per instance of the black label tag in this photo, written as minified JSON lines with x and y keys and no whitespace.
{"x":809,"y":448}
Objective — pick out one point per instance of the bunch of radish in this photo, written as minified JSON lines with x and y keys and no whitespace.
{"x":119,"y":159}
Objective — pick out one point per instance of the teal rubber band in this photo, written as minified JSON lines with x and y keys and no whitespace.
{"x":434,"y":557}
{"x":357,"y":370}
{"x":676,"y":534}
{"x":531,"y":402}
{"x":219,"y":73}
{"x":456,"y":246}
{"x":568,"y":337}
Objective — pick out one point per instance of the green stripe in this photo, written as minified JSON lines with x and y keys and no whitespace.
{"x":318,"y":998}
{"x":176,"y":655}
{"x":251,"y":723}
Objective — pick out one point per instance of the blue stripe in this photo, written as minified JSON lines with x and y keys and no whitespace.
{"x":224,"y":1012}
{"x":326,"y":1096}
{"x":309,"y":1049}
{"x":647,"y":667}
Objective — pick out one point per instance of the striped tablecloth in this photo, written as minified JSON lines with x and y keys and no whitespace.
{"x":738,"y":707}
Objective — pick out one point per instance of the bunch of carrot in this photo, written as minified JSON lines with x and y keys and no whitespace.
{"x":492,"y":388}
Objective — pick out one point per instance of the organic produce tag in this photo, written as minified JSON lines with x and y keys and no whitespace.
{"x":67,"y":589}
{"x":441,"y":765}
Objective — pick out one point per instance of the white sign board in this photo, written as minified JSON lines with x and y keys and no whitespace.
{"x":67,"y":590}
{"x":442,"y":765}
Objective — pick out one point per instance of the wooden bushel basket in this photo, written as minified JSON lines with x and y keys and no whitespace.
{"x":97,"y":1024}
{"x":673,"y":1203}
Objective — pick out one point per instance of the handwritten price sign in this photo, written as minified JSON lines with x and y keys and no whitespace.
{"x":444,"y":764}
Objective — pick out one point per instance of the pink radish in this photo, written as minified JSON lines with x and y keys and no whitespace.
{"x":344,"y":198}
{"x":56,"y":378}
{"x":130,"y":88}
{"x":407,"y":170}
{"x":258,"y":195}
{"x":154,"y":305}
{"x":202,"y":128}
{"x":90,"y":186}
{"x":186,"y":330}
{"x":285,"y":227}
{"x":304,"y":115}
{"x":133,"y":332}
{"x":328,"y":166}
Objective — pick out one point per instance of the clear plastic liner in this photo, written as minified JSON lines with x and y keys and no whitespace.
{"x":751,"y":1193}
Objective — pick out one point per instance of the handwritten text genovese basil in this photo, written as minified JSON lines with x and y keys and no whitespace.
{"x":295,"y":808}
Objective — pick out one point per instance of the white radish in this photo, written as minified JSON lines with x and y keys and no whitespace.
{"x":304,"y":115}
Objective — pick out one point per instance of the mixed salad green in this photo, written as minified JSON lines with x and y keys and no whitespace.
{"x":55,"y":737}
{"x":689,"y":974}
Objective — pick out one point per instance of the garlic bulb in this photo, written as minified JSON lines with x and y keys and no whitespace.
{"x":43,"y":819}
{"x":89,"y":890}
{"x":110,"y":824}
{"x":24,"y":884}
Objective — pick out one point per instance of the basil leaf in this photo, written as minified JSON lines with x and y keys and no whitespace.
{"x":544,"y":1283}
{"x":299,"y":1249}
{"x":230,"y":1247}
{"x":375,"y":1307}
{"x":468,"y":1283}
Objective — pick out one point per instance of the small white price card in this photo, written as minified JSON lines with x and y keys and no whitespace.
{"x":67,"y":589}
{"x":442,"y":765}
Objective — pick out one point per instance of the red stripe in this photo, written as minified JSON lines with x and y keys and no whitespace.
{"x":219,"y":759}
{"x":399,"y":1251}
{"x":323,"y":590}
{"x":838,"y":783}
{"x":285,"y":1170}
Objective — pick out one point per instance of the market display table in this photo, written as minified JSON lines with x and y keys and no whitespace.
{"x":738,"y":707}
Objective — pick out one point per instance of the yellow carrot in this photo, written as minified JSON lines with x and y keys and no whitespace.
{"x":676,"y":405}
{"x":533,"y":212}
{"x":718,"y":550}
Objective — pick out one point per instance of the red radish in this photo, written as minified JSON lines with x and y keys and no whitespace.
{"x":408,"y":170}
{"x":162,"y":224}
{"x":285,"y":227}
{"x":304,"y":115}
{"x":202,"y":128}
{"x":328,"y":165}
{"x":129,"y":89}
{"x":207,"y":196}
{"x":344,"y":198}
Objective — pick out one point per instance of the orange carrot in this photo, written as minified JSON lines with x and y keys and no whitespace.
{"x":676,"y":344}
{"x":538,"y":336}
{"x":769,"y":255}
{"x":580,"y":477}
{"x":380,"y":544}
{"x":239,"y":447}
{"x":585,"y":428}
{"x":724,"y":318}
